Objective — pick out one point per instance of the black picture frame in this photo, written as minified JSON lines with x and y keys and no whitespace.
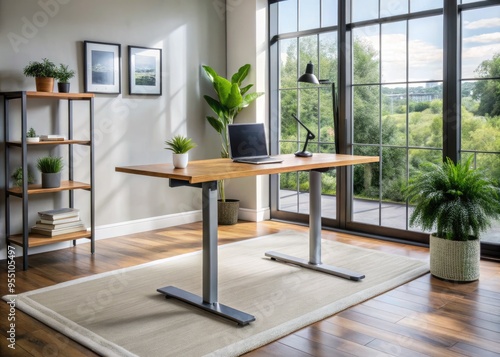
{"x":144,"y":70}
{"x":102,"y":69}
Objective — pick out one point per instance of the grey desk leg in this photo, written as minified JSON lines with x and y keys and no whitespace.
{"x":314,"y":262}
{"x":209,"y":301}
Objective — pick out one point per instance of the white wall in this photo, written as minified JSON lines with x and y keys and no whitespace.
{"x":130,"y":130}
{"x":247,"y":42}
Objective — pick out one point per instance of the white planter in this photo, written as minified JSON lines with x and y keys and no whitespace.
{"x":33,"y":140}
{"x":180,"y":161}
{"x":455,"y":261}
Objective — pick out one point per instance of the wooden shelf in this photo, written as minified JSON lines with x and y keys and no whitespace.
{"x":37,"y":188}
{"x":57,"y":95}
{"x":53,"y":142}
{"x":36,"y":240}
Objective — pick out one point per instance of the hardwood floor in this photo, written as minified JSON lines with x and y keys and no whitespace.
{"x":426,"y":316}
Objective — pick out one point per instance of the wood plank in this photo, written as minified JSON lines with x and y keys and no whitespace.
{"x":220,"y":169}
{"x":37,"y":188}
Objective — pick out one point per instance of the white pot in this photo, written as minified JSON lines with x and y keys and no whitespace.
{"x":180,"y":160}
{"x":33,"y":140}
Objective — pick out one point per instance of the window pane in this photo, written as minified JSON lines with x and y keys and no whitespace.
{"x":329,"y":13}
{"x":390,"y":8}
{"x":287,"y":20}
{"x":288,"y":63}
{"x":366,"y":205}
{"x":393,"y":52}
{"x":308,"y":52}
{"x":288,"y":127}
{"x":393,"y":213}
{"x":308,"y":14}
{"x":394,"y":115}
{"x":364,"y":10}
{"x":426,"y":49}
{"x":366,"y":115}
{"x":422,"y":5}
{"x":328,"y":56}
{"x":480,"y":38}
{"x":425,"y":115}
{"x":366,"y":55}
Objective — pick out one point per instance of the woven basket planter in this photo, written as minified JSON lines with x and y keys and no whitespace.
{"x":228,"y":212}
{"x":455,"y":260}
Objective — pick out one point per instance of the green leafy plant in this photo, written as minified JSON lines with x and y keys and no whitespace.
{"x":45,"y":68}
{"x":17,"y":175}
{"x":180,"y":144}
{"x":31,"y":133}
{"x":50,"y":164}
{"x":455,"y":198}
{"x":231,"y":99}
{"x":63,"y":74}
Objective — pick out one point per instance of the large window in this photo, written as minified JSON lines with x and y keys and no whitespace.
{"x":393,"y":61}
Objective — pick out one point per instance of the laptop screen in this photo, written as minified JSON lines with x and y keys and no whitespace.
{"x":246,"y":140}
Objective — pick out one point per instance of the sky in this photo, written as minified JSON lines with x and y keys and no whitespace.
{"x":480,"y":31}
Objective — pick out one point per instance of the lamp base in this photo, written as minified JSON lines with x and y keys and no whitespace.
{"x":303,"y":154}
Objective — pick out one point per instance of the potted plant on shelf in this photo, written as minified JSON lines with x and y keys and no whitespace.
{"x":31,"y":136}
{"x":50,"y":167}
{"x":231,"y":99}
{"x":63,"y":75}
{"x":459,"y":202}
{"x":17,"y":176}
{"x":44,"y":73}
{"x":180,"y":145}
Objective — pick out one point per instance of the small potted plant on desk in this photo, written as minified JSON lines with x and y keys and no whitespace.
{"x":51,"y":168}
{"x":31,"y":136}
{"x":459,"y":202}
{"x":63,"y":75}
{"x":44,"y":73}
{"x":180,"y":145}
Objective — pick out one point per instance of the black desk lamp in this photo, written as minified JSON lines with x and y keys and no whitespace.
{"x":309,"y":77}
{"x":309,"y":136}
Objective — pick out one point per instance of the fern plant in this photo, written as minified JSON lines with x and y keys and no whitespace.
{"x":455,"y":199}
{"x":50,"y":164}
{"x":180,"y":144}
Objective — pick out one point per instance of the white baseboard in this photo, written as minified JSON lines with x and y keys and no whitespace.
{"x":254,"y":215}
{"x":146,"y":224}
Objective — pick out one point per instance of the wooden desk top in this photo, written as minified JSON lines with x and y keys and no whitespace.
{"x":220,"y":169}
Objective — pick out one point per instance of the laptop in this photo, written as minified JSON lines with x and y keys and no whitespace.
{"x":247,"y":144}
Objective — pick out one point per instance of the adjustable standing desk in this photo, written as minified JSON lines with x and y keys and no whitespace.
{"x":205,"y":174}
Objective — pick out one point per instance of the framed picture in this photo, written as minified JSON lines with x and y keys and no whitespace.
{"x":102,"y":67}
{"x":144,"y":70}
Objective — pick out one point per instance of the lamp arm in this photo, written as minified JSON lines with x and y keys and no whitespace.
{"x":310,"y":136}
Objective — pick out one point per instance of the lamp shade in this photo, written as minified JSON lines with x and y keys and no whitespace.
{"x":309,"y":76}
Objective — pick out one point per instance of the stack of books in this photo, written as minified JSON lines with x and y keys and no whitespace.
{"x":52,"y":137}
{"x":58,"y":221}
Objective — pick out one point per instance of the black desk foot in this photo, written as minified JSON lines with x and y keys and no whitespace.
{"x":227,"y":312}
{"x":329,"y":269}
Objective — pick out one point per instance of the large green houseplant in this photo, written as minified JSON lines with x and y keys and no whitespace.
{"x":231,"y":99}
{"x":457,"y":203}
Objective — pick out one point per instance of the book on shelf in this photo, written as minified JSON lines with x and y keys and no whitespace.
{"x":59,"y":213}
{"x":59,"y":221}
{"x":56,"y":232}
{"x":52,"y":137}
{"x":57,"y":225}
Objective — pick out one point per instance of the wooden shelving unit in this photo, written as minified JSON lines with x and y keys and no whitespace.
{"x":26,"y":239}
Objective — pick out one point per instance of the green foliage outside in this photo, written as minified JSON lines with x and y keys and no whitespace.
{"x":405,"y":128}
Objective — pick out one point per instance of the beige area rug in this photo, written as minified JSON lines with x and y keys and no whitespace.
{"x":120,"y":313}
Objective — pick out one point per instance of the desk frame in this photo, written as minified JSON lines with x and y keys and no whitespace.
{"x":205,"y":174}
